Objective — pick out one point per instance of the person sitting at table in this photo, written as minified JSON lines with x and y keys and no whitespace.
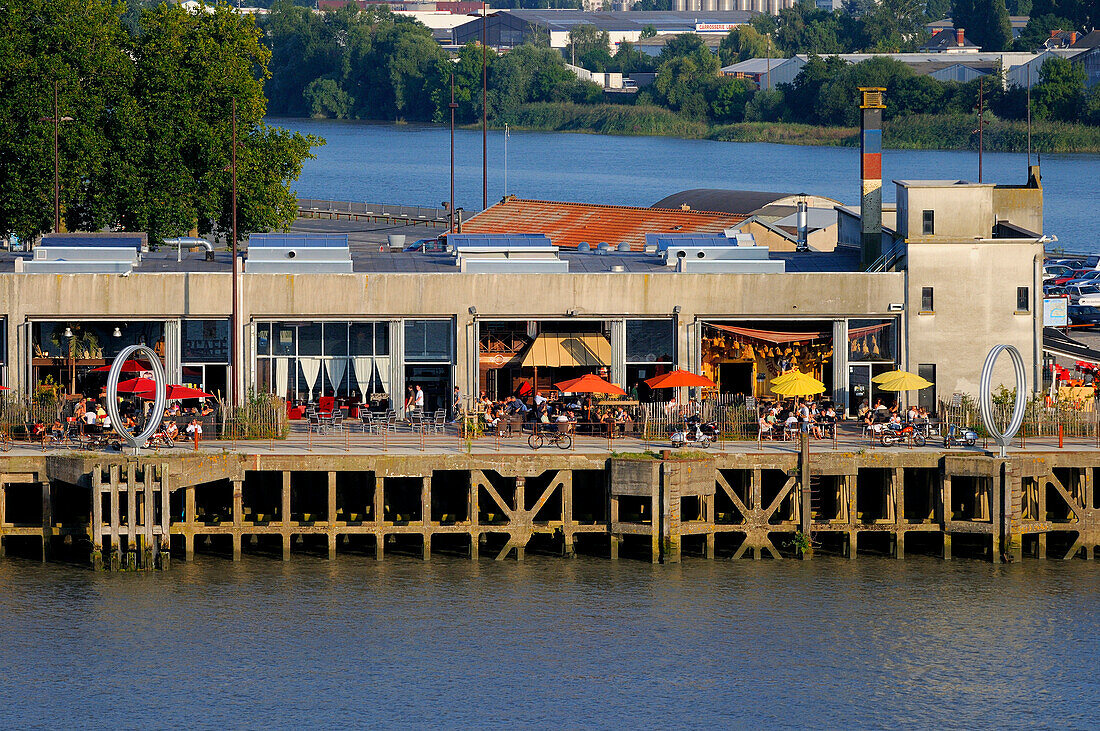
{"x":171,"y":430}
{"x":764,"y":426}
{"x":207,"y":410}
{"x":90,"y":414}
{"x":543,"y":412}
{"x":80,"y":409}
{"x":105,"y":422}
{"x":194,"y":429}
{"x":129,"y":423}
{"x":567,"y":422}
{"x":624,"y":420}
{"x":790,"y":425}
{"x":56,"y":430}
{"x":912,"y":414}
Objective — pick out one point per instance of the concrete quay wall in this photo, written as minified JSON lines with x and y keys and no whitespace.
{"x":140,"y":512}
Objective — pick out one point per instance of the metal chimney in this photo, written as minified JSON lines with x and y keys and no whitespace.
{"x":870,"y":173}
{"x":802,"y":223}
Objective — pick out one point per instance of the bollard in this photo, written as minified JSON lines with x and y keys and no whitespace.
{"x":196,"y":436}
{"x":1060,"y":436}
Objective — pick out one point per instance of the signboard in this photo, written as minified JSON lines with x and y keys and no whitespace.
{"x":1055,"y":312}
{"x":715,"y":27}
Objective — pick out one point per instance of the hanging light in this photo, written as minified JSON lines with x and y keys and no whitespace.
{"x":68,"y":332}
{"x":117,"y":333}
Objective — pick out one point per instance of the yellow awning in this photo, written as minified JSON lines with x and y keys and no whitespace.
{"x":556,"y":350}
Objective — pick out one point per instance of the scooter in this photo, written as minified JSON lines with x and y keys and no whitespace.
{"x":696,"y":432}
{"x":891,"y":436}
{"x":958,"y":436}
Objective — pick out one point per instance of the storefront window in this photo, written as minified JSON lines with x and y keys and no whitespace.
{"x":872,"y":340}
{"x":428,"y":340}
{"x":205,"y":341}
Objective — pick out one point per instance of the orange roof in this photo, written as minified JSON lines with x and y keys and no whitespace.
{"x":568,"y":224}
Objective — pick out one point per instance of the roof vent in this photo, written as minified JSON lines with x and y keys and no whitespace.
{"x":584,"y":247}
{"x":87,"y":253}
{"x":624,"y":246}
{"x":618,"y":268}
{"x":298,"y":253}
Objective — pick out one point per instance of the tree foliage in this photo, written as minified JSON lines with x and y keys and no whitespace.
{"x":984,"y":21}
{"x":150,"y":138}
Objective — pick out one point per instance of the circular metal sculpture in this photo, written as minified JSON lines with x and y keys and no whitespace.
{"x":158,"y":403}
{"x":986,"y":400}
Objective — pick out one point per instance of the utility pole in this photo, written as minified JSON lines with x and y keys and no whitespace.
{"x":769,"y":62}
{"x":57,"y":119}
{"x":234,"y":320}
{"x":506,"y":159}
{"x":981,"y":124}
{"x":452,"y":106}
{"x":484,"y":113}
{"x":1029,"y":117}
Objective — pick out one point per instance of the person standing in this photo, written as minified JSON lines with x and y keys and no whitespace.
{"x":418,"y":400}
{"x":409,"y":396}
{"x":456,"y":404}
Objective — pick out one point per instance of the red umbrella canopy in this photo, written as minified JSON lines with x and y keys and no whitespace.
{"x":176,"y":392}
{"x":129,"y":366}
{"x":137,"y":385}
{"x":680,"y":378}
{"x":589,"y":384}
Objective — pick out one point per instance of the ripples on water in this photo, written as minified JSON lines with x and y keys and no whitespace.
{"x":410,"y":164}
{"x":552,"y":642}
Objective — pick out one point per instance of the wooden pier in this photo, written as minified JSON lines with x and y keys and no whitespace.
{"x":120,"y":512}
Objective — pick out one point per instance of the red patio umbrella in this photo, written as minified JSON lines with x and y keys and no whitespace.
{"x":589,"y":384}
{"x":137,"y":385}
{"x":174,"y":392}
{"x":129,"y":366}
{"x":680,"y":378}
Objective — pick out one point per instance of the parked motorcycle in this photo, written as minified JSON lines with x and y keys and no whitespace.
{"x":892,"y":436}
{"x":695,"y":431}
{"x":959,"y":435}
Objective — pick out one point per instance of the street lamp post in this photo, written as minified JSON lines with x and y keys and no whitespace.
{"x":56,"y":119}
{"x":233,"y":320}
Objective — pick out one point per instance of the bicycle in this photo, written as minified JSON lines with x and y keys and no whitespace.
{"x":561,"y":439}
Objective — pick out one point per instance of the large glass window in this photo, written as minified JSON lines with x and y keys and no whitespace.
{"x":305,"y":361}
{"x":205,"y":341}
{"x":650,"y":341}
{"x":872,"y":340}
{"x":428,"y":340}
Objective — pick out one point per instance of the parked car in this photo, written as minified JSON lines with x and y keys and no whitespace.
{"x":1053,"y":290}
{"x":1077,"y":291}
{"x":1083,"y":314}
{"x":426,"y":245}
{"x":1053,"y":271}
{"x":1090,"y":277}
{"x":1070,"y":276}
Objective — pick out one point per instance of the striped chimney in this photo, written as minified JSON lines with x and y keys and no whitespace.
{"x":870,"y":173}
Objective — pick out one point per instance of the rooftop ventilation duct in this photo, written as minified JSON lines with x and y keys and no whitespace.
{"x":298,"y":254}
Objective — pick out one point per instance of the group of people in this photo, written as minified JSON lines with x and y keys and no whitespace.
{"x":890,"y":414}
{"x":567,"y":411}
{"x":782,"y":419}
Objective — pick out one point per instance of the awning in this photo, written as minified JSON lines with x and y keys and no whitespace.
{"x":1055,"y":342}
{"x":556,"y":350}
{"x":777,"y":337}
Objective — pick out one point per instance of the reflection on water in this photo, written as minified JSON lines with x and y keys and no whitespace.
{"x":871,"y":642}
{"x":411,"y":164}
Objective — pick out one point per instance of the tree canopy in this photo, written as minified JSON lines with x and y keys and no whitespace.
{"x":150,"y":138}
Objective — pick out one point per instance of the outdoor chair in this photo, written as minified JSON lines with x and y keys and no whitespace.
{"x":370,"y":426}
{"x":439,"y":421}
{"x":315,"y":424}
{"x":336,"y":420}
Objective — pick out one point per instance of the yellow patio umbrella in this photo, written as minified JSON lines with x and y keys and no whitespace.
{"x":900,"y":381}
{"x":801,"y":385}
{"x":788,"y":376}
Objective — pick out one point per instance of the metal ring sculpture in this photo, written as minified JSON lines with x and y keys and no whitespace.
{"x":986,"y":400}
{"x":158,"y":404}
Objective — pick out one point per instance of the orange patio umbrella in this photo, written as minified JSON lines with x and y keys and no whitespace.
{"x":589,"y":384}
{"x":679,"y":379}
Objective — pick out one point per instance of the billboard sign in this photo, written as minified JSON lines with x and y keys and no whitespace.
{"x":1055,"y":312}
{"x":715,"y":27}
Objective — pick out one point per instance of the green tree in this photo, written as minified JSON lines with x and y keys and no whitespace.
{"x":1060,"y":93}
{"x":741,"y":43}
{"x":806,"y":29}
{"x":985,"y":22}
{"x":628,"y":59}
{"x":892,"y":26}
{"x":327,"y":99}
{"x":584,"y":38}
{"x":765,"y":106}
{"x":1038,"y":30}
{"x":648,"y":31}
{"x":1084,"y":14}
{"x":937,"y":9}
{"x":1091,"y":111}
{"x":728,"y":97}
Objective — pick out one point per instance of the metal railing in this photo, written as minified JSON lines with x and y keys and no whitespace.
{"x":318,"y":206}
{"x":1072,"y":419}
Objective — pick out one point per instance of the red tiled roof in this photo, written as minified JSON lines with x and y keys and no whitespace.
{"x":568,"y":224}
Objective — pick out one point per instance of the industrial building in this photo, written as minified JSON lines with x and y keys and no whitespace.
{"x":510,"y":28}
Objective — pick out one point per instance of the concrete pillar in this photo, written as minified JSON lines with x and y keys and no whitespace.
{"x":331,"y":515}
{"x":284,"y":514}
{"x":238,"y":517}
{"x":898,"y":479}
{"x":521,"y":509}
{"x":426,"y":517}
{"x":4,"y":516}
{"x":1041,"y":486}
{"x":613,"y":520}
{"x":946,"y":546}
{"x":566,"y":478}
{"x":47,"y":520}
{"x":188,"y":518}
{"x":379,"y":510}
{"x":655,"y":524}
{"x":131,"y":506}
{"x":1012,"y":492}
{"x":473,"y":510}
{"x":851,"y":481}
{"x":708,"y":516}
{"x":994,"y":488}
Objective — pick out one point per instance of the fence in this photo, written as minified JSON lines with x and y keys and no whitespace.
{"x":18,"y":411}
{"x":262,"y":416}
{"x":374,"y":210}
{"x":735,"y":422}
{"x":1074,"y":419}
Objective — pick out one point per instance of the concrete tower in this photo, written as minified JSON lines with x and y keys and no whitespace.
{"x":870,"y":172}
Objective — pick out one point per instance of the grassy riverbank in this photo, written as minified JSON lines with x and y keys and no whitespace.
{"x":922,"y":132}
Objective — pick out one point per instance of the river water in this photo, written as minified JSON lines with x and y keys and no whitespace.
{"x":410,"y":164}
{"x":552,"y":642}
